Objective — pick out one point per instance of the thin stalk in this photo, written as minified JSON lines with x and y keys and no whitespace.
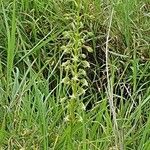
{"x":110,"y":89}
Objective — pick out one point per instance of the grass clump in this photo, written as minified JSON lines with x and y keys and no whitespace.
{"x":74,"y":74}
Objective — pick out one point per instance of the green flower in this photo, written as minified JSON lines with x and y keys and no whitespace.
{"x":66,"y":63}
{"x":75,"y":78}
{"x":81,"y":91}
{"x":85,"y":64}
{"x":89,"y":49}
{"x":82,"y":72}
{"x":66,"y":80}
{"x":84,"y":82}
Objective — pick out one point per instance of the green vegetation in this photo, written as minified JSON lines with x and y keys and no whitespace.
{"x":75,"y":74}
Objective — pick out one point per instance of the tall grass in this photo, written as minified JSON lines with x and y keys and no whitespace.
{"x":74,"y":74}
{"x":10,"y":32}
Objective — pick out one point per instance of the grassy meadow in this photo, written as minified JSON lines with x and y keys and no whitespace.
{"x":74,"y":75}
